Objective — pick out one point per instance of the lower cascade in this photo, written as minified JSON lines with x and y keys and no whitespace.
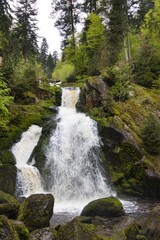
{"x":28,"y":176}
{"x":73,"y":156}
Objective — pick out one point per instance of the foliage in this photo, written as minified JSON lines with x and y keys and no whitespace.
{"x":64,"y":71}
{"x":25,"y":28}
{"x":5,"y":101}
{"x":151,"y":135}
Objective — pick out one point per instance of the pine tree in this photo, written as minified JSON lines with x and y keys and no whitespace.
{"x":44,"y":53}
{"x":26,"y":27}
{"x":90,"y":6}
{"x":68,"y":17}
{"x":5,"y":15}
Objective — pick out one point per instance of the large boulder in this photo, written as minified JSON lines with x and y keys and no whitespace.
{"x":92,"y":94}
{"x":105,"y":207}
{"x":9,"y":205}
{"x":74,"y":230}
{"x":36,"y":211}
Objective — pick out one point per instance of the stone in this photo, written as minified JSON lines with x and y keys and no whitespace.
{"x":36,"y":211}
{"x":43,"y":234}
{"x":9,"y":205}
{"x":7,"y":231}
{"x":104,"y":207}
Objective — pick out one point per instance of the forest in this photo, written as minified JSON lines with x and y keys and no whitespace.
{"x":119,"y":40}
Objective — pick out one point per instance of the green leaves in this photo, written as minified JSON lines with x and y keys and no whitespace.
{"x":63,"y":71}
{"x":5,"y":101}
{"x":151,"y":135}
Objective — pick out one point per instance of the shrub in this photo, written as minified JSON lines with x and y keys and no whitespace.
{"x":151,"y":135}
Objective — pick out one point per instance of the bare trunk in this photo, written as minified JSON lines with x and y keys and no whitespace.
{"x":129,"y":47}
{"x":125,"y":48}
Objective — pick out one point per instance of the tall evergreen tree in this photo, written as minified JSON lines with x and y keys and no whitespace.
{"x":90,"y":6}
{"x":5,"y":15}
{"x":26,"y":27}
{"x":44,"y":53}
{"x":68,"y":17}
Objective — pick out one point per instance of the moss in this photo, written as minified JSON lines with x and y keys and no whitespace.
{"x":131,"y":231}
{"x":7,"y":157}
{"x":107,"y":207}
{"x":21,"y":230}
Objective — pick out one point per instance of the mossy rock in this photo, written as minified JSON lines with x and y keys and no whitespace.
{"x":9,"y":205}
{"x":7,"y":157}
{"x":21,"y":229}
{"x":44,"y":233}
{"x":131,"y":231}
{"x":36,"y":211}
{"x":105,"y":207}
{"x":8,"y":175}
{"x":7,"y":231}
{"x":76,"y":230}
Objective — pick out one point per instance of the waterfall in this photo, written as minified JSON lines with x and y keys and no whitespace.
{"x":28,"y":177}
{"x":73,"y":156}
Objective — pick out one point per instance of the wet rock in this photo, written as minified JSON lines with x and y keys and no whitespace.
{"x":36,"y":211}
{"x":9,"y":205}
{"x":43,"y":234}
{"x":106,"y":207}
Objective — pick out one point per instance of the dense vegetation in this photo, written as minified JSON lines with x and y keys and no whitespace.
{"x":119,"y":40}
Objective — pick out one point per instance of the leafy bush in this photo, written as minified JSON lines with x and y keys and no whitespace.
{"x":64,"y":71}
{"x":5,"y":101}
{"x":120,"y":91}
{"x":151,"y":135}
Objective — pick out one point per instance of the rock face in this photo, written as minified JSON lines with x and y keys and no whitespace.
{"x":92,"y":93}
{"x":36,"y":211}
{"x":9,"y":205}
{"x":127,"y":167}
{"x":106,"y":207}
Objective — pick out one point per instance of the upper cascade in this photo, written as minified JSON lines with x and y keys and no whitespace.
{"x":70,"y":97}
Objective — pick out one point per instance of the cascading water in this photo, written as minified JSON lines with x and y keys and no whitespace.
{"x":28,"y":177}
{"x":73,"y":156}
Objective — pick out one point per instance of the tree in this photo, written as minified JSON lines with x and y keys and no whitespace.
{"x":26,"y":27}
{"x":151,"y":135}
{"x":90,"y":6}
{"x":50,"y":65}
{"x":68,"y":17}
{"x":5,"y":101}
{"x":5,"y":16}
{"x":43,"y":56}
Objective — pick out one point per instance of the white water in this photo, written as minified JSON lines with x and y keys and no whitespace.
{"x":73,"y":157}
{"x":28,"y":177}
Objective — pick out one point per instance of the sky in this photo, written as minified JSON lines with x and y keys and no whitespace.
{"x":46,"y":26}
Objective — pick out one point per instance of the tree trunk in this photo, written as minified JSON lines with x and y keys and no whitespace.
{"x":125,"y":47}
